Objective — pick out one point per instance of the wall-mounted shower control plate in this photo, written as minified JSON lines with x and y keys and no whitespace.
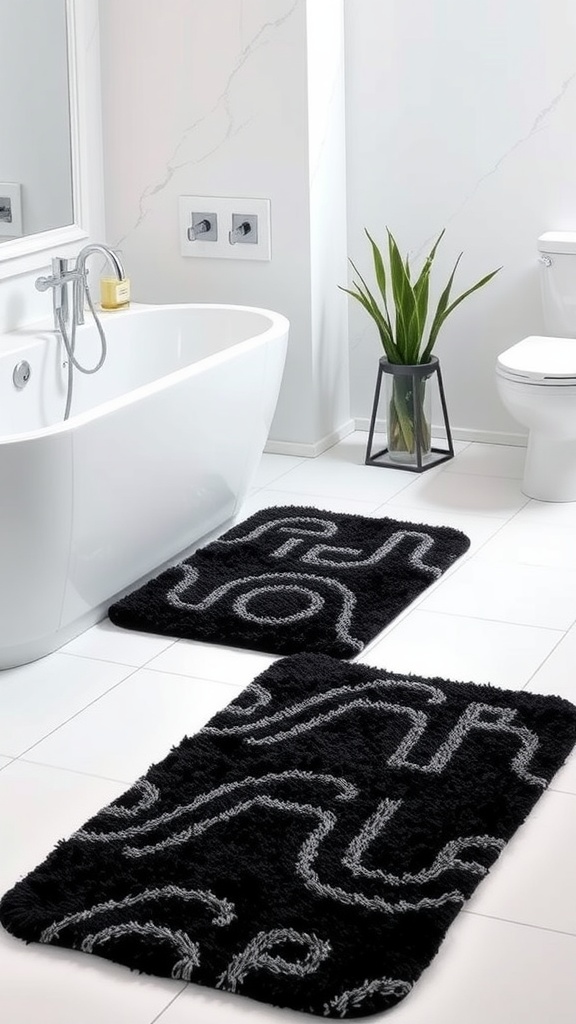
{"x":10,"y":209}
{"x":231,"y":214}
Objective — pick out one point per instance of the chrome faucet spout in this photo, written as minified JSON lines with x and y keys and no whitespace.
{"x":112,"y":257}
{"x":80,"y":274}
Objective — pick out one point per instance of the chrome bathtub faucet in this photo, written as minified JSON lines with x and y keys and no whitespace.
{"x":65,"y":272}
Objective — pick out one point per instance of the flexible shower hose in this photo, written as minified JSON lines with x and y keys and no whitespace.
{"x":70,"y":344}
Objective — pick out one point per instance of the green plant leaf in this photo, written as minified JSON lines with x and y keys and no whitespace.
{"x":439,"y":314}
{"x":443,"y":311}
{"x":369,"y":294}
{"x":367,"y":300}
{"x":373,"y":307}
{"x":380,"y":273}
{"x":402,"y":333}
{"x":421,"y":292}
{"x":403,"y":417}
{"x":422,"y":304}
{"x":424,"y":277}
{"x":474,"y":288}
{"x":363,"y":299}
{"x":407,"y":329}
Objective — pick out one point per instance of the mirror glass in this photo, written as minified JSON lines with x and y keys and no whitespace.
{"x":35,"y":138}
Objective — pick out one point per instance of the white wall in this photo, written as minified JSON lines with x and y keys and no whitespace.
{"x":328,"y":235}
{"x":236,"y":98}
{"x":461,"y":115}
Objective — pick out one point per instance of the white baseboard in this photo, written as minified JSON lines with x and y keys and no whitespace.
{"x":489,"y":437}
{"x":458,"y":433}
{"x":310,"y":451}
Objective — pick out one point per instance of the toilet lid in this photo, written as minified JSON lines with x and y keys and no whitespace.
{"x":541,"y":360}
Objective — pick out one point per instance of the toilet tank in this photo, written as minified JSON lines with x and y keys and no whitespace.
{"x":558,"y":282}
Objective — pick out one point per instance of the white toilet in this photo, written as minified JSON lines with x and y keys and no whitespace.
{"x":536,"y":379}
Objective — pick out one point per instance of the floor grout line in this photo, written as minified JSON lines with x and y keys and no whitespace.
{"x":121,"y":664}
{"x":73,"y":771}
{"x":504,"y":622}
{"x":520,"y":924}
{"x":168,"y":1005}
{"x":77,"y":713}
{"x":545,"y":659}
{"x":485,"y":618}
{"x":201,"y":679}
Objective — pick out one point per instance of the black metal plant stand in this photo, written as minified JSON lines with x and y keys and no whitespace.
{"x":422,"y":459}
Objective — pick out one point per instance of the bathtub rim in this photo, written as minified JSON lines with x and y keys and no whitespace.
{"x":278,"y":329}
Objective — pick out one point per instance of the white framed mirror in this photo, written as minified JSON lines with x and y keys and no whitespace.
{"x":51,"y":142}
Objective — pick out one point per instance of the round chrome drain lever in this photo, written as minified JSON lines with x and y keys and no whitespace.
{"x":21,"y":374}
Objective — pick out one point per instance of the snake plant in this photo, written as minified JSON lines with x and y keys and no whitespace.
{"x":401,"y":313}
{"x":407,"y":329}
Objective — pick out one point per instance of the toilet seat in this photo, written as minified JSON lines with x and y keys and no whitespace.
{"x":539,"y":360}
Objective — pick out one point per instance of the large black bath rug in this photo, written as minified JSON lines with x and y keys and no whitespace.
{"x":294,"y":579}
{"x":310,"y":846}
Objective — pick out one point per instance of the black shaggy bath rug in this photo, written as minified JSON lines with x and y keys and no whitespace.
{"x":311,"y":845}
{"x":293,"y":579}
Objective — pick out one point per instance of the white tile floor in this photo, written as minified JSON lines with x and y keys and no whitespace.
{"x":78,"y":726}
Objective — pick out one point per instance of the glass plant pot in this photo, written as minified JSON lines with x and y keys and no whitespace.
{"x":408,"y":402}
{"x":408,"y":417}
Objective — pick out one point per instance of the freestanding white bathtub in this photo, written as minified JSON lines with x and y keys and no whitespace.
{"x":160,"y":448}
